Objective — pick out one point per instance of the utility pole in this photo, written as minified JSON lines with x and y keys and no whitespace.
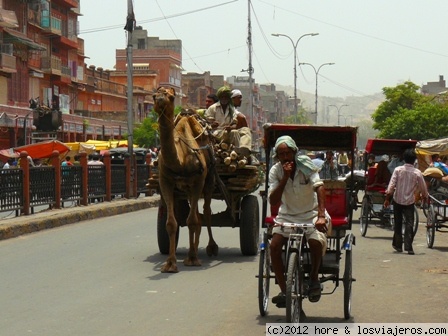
{"x":250,"y":70}
{"x":129,"y":27}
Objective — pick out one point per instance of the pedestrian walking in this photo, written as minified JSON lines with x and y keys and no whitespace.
{"x":405,"y":182}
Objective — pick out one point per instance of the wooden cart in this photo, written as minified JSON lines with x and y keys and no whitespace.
{"x":233,"y":187}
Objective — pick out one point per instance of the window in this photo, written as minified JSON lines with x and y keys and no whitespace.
{"x":141,"y":44}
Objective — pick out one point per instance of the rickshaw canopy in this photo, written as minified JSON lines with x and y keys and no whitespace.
{"x":430,"y":147}
{"x":312,"y":137}
{"x":388,"y":146}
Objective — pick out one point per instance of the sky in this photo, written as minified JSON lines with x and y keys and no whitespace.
{"x":373,"y":43}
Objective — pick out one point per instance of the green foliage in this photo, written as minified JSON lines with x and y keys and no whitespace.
{"x":407,"y":114}
{"x":402,"y":96}
{"x":145,"y":134}
{"x":427,"y":121}
{"x":301,"y":118}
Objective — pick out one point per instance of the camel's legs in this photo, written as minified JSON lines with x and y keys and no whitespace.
{"x":170,"y":265}
{"x":212,"y":247}
{"x":194,"y":230}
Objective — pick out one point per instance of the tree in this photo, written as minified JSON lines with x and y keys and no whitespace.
{"x":300,"y":118}
{"x":407,"y":114}
{"x":145,"y":134}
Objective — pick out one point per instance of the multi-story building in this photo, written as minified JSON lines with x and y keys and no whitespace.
{"x":434,"y":88}
{"x":42,"y":56}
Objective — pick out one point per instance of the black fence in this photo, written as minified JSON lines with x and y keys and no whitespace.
{"x":54,"y":186}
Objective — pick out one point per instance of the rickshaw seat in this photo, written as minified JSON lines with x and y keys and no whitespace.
{"x":336,"y":202}
{"x":371,"y":180}
{"x":371,"y":175}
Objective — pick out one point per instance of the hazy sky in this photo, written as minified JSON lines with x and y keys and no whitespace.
{"x":373,"y":43}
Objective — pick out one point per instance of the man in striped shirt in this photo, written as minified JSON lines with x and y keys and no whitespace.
{"x":405,"y":181}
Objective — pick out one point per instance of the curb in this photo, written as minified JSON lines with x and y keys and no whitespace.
{"x":44,"y":220}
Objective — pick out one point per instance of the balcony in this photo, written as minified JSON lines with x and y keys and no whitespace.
{"x":51,"y":25}
{"x":66,"y":74}
{"x":80,"y":47}
{"x":7,"y":59}
{"x":106,"y":86}
{"x":67,"y":42}
{"x":52,"y":65}
{"x":8,"y":19}
{"x":67,"y":3}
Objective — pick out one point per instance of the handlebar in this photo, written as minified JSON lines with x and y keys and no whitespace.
{"x":294,"y":225}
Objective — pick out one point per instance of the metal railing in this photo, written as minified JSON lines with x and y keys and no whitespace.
{"x":22,"y":189}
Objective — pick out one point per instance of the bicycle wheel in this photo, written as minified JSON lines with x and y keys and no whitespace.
{"x":264,"y":276}
{"x":416,"y":220}
{"x":294,"y":285}
{"x":430,"y":226}
{"x":364,"y":219}
{"x":347,"y":280}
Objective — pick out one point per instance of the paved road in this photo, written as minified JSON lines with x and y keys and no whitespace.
{"x":102,"y":277}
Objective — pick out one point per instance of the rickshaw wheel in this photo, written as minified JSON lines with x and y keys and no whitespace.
{"x":294,"y":288}
{"x":347,"y":280}
{"x":431,"y":226}
{"x":264,"y":276}
{"x":364,"y":219}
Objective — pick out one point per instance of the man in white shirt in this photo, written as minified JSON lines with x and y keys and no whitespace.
{"x":294,"y":184}
{"x":223,"y":117}
{"x":405,"y":181}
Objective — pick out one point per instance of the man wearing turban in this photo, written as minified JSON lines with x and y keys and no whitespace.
{"x":222,"y":116}
{"x":295,"y":186}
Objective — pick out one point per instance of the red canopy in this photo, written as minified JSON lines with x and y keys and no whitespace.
{"x":388,"y":146}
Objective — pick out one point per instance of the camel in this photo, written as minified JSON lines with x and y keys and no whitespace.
{"x":185,"y":163}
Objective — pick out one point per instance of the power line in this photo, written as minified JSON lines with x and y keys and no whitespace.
{"x":120,"y":26}
{"x":354,"y":32}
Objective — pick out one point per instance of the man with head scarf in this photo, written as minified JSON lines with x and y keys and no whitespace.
{"x":295,"y":186}
{"x":222,"y":116}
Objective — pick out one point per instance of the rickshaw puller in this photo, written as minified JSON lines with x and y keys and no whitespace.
{"x":295,"y":184}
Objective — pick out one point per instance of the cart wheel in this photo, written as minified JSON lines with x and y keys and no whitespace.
{"x":294,"y":287}
{"x":431,"y":226}
{"x":364,"y":219}
{"x":348,"y":284}
{"x":264,"y":275}
{"x":162,"y":236}
{"x":249,"y":225}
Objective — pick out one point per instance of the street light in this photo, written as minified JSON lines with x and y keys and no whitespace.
{"x":339,"y":110}
{"x":295,"y":63}
{"x":317,"y":73}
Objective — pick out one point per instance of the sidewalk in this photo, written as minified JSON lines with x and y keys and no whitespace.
{"x":47,"y":219}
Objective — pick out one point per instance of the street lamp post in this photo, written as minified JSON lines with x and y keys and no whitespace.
{"x":317,"y":73}
{"x":294,"y":45}
{"x":339,"y":110}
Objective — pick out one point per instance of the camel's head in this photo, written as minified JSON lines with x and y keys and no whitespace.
{"x":163,"y":99}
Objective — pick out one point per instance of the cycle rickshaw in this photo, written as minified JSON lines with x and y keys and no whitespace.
{"x":377,"y":178}
{"x":296,"y":252}
{"x":436,"y":210}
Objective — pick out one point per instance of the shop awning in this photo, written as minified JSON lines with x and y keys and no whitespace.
{"x":8,"y":19}
{"x":15,"y":36}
